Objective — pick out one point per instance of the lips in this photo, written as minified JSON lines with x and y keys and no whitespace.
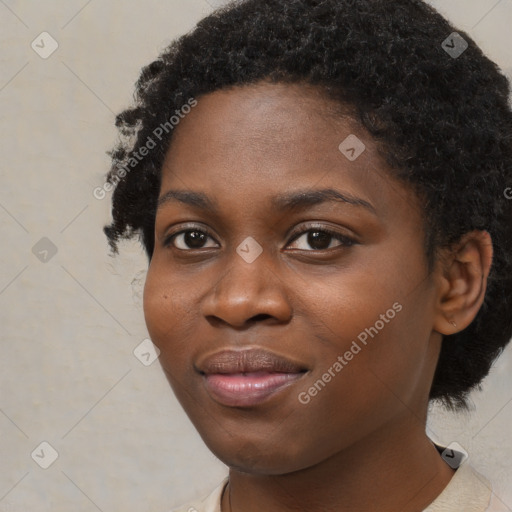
{"x":244,"y":378}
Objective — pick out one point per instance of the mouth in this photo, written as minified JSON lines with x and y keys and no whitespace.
{"x":245,"y":378}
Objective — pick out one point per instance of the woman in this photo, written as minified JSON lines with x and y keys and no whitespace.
{"x":319,"y":187}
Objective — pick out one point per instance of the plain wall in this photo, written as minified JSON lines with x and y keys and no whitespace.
{"x":69,"y":325}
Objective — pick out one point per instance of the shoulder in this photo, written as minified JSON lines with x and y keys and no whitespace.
{"x":209,"y":504}
{"x":468,"y":490}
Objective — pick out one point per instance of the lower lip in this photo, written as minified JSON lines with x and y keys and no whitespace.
{"x":245,"y":390}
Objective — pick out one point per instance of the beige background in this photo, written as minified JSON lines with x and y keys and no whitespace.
{"x":68,"y":375}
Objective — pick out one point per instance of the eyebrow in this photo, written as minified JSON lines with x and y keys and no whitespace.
{"x":293,"y":200}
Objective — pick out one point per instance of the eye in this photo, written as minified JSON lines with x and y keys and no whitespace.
{"x":189,"y":239}
{"x":320,"y":238}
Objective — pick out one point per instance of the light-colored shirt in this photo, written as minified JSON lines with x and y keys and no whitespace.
{"x":467,"y":491}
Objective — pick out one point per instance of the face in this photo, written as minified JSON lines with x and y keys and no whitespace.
{"x":288,"y":290}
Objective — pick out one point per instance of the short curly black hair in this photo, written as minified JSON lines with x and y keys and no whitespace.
{"x":442,"y":121}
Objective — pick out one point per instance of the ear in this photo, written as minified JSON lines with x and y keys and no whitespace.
{"x":462,"y":282}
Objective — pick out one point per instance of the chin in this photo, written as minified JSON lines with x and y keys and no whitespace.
{"x":260,"y":465}
{"x":257,"y":457}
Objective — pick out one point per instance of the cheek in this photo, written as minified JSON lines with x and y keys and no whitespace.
{"x":170,"y":327}
{"x":357,"y":396}
{"x":166,"y":311}
{"x":154,"y":304}
{"x":376,"y":321}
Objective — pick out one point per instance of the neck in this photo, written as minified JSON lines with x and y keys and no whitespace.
{"x":394,"y":469}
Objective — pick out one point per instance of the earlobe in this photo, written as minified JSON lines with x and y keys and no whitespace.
{"x":463,"y":282}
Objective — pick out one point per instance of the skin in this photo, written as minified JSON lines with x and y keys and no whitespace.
{"x":360,"y":443}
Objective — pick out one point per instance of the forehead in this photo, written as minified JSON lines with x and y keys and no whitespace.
{"x":257,"y":111}
{"x":260,"y":139}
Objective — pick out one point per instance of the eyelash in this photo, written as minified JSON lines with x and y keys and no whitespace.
{"x":345,"y":240}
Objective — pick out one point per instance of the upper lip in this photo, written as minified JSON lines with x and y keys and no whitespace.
{"x":247,"y":360}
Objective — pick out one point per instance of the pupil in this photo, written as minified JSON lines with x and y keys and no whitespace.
{"x":194,"y":239}
{"x":316,"y":238}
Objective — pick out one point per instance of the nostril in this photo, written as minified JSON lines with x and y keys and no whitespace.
{"x":261,"y":316}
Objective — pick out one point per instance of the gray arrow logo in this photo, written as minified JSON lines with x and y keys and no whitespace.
{"x":454,"y":45}
{"x":44,"y":250}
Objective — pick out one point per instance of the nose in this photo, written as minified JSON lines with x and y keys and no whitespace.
{"x":246,"y":293}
